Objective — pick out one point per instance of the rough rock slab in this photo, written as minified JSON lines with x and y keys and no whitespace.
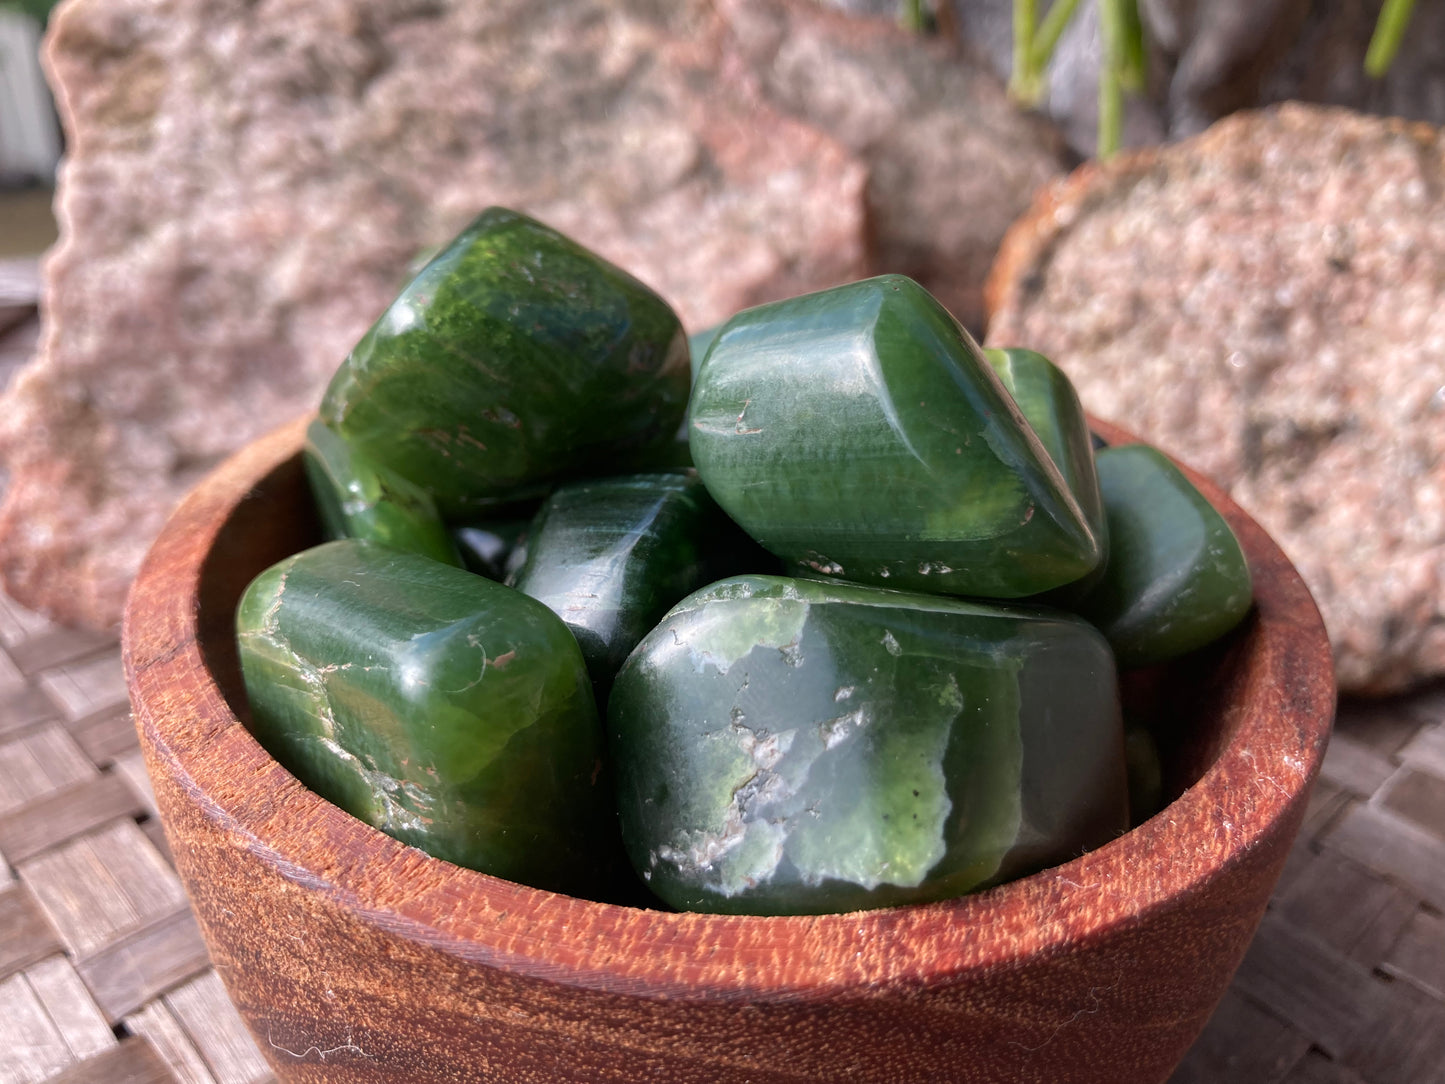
{"x":945,"y":152}
{"x":1267,"y":302}
{"x":247,"y":184}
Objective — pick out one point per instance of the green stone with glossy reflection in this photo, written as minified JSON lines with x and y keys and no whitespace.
{"x":788,"y":746}
{"x":1051,"y":405}
{"x":442,"y":708}
{"x":356,"y":499}
{"x":514,"y":358}
{"x":610,"y":556}
{"x":1176,"y":578}
{"x":861,"y":432}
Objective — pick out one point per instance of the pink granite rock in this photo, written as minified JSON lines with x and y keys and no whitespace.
{"x":246,"y":185}
{"x":1267,"y":301}
{"x":946,"y":154}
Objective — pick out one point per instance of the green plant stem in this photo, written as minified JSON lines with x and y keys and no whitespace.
{"x":1131,"y":47}
{"x":1046,"y":39}
{"x":1025,"y":81}
{"x":913,"y":16}
{"x":39,"y":10}
{"x":1113,"y":19}
{"x":1389,"y":33}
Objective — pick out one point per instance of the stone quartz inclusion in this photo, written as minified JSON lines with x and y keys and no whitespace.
{"x":787,"y":746}
{"x":444,"y":709}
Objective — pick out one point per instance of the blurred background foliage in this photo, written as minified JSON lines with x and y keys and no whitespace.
{"x":39,"y":10}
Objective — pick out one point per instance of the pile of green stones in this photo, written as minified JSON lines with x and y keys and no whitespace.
{"x":830,"y":618}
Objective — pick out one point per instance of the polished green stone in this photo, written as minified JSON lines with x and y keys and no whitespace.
{"x":442,"y":708}
{"x":1176,"y":578}
{"x":1048,"y":401}
{"x":860,"y":431}
{"x":789,"y":746}
{"x":1146,"y":774}
{"x":358,"y":500}
{"x":611,"y":556}
{"x":515,"y":358}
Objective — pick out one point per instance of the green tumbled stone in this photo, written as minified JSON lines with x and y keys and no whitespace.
{"x":444,"y":709}
{"x":1176,"y":577}
{"x":514,"y":358}
{"x":1146,"y":774}
{"x":611,"y":556}
{"x":358,"y":500}
{"x":860,"y":431}
{"x":1048,"y":401}
{"x":788,"y":746}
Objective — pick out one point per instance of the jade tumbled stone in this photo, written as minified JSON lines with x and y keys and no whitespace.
{"x":1049,"y":402}
{"x":786,"y":746}
{"x":356,"y":499}
{"x":611,"y":556}
{"x":514,"y":358}
{"x":444,"y":709}
{"x":1176,"y":577}
{"x":860,"y":431}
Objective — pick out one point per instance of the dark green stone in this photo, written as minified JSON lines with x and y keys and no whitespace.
{"x":788,"y":746}
{"x":610,"y":557}
{"x":1146,"y":774}
{"x":860,"y":431}
{"x":358,"y":500}
{"x":1176,"y":577}
{"x":515,"y":358}
{"x":487,"y":547}
{"x":1048,"y":401}
{"x":444,"y":709}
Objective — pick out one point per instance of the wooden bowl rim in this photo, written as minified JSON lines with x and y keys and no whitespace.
{"x":260,"y":807}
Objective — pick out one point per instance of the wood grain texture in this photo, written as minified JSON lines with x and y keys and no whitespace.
{"x":1242,"y":1042}
{"x":202,"y":1008}
{"x":25,"y":936}
{"x":158,"y":1026}
{"x":133,"y":1061}
{"x":79,"y":808}
{"x":32,"y":1048}
{"x":67,"y":1002}
{"x":102,"y":886}
{"x":354,"y":958}
{"x":40,"y":764}
{"x":133,"y":969}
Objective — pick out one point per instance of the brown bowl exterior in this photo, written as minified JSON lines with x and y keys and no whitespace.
{"x":354,"y":958}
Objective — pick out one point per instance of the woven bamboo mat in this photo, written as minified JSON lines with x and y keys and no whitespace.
{"x":104,"y":978}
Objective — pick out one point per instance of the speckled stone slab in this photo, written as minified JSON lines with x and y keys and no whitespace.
{"x":1267,"y":302}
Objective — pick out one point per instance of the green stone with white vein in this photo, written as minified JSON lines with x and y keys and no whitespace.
{"x":450,"y":712}
{"x":859,"y":431}
{"x":787,"y":746}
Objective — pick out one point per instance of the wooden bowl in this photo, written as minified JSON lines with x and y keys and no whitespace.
{"x":355,"y":958}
